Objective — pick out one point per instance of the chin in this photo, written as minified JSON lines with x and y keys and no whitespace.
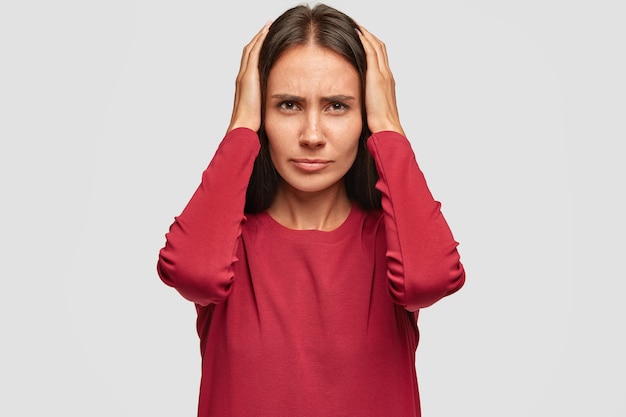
{"x":311,"y":187}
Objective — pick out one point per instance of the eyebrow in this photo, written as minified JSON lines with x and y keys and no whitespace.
{"x":290,"y":97}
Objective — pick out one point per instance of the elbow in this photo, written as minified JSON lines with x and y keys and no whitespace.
{"x":422,"y":289}
{"x":432,"y":286}
{"x":194,"y":282}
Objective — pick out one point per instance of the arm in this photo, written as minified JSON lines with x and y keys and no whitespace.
{"x":201,"y":245}
{"x":422,"y":260}
{"x":199,"y":253}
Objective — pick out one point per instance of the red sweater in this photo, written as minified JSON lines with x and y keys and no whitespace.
{"x":300,"y":323}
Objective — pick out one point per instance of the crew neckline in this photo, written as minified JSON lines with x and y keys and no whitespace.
{"x":341,"y":231}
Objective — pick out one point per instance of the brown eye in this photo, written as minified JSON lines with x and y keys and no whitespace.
{"x":338,"y":106}
{"x":287,"y":105}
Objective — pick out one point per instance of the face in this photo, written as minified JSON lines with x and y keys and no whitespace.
{"x":312,"y":118}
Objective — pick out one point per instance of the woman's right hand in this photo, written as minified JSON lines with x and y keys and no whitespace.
{"x":247,"y":106}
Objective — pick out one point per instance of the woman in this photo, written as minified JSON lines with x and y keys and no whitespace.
{"x":313,"y":240}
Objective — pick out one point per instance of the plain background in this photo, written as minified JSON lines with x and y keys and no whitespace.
{"x":110,"y":110}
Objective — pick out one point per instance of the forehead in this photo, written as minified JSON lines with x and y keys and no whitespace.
{"x":311,"y":66}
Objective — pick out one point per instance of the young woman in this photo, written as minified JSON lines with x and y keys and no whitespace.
{"x":312,"y":241}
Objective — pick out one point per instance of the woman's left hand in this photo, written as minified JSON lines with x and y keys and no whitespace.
{"x":380,"y":87}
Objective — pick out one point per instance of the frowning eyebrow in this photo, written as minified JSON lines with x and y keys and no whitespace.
{"x":290,"y":97}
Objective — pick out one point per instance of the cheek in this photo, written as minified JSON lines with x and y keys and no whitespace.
{"x":272,"y":151}
{"x":277,"y":129}
{"x":354,"y":149}
{"x":351,"y":128}
{"x":351,"y":148}
{"x":279,"y":149}
{"x":274,"y":133}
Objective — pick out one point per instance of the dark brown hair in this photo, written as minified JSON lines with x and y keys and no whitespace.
{"x":329,"y":28}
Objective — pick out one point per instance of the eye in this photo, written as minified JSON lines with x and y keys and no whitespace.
{"x":287,"y":106}
{"x":338,"y":107}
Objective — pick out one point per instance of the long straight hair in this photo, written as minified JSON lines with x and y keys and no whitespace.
{"x":328,"y":28}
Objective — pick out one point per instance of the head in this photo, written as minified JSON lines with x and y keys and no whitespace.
{"x":322,"y":27}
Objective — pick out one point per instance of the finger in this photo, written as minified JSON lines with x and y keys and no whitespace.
{"x":252,"y":48}
{"x":250,"y":51}
{"x":370,"y":52}
{"x":255,"y":50}
{"x":376,"y":48}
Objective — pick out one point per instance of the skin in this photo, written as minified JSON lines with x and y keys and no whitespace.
{"x":313,"y":125}
{"x":313,"y":122}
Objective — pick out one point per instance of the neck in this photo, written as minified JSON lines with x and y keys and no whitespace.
{"x":325,"y":210}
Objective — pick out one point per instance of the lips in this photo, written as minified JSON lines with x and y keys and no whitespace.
{"x":310,"y":165}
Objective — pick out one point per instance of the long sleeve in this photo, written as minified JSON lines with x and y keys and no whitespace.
{"x":200,"y":247}
{"x":423,"y":264}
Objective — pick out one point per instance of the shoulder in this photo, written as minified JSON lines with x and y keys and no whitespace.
{"x":371,"y":224}
{"x":252,"y":222}
{"x":372,"y":219}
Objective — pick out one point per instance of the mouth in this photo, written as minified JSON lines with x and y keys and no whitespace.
{"x":310,"y":165}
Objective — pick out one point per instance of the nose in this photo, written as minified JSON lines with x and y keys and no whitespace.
{"x":312,"y":136}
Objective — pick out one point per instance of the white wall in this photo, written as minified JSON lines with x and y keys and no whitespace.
{"x":110,"y":110}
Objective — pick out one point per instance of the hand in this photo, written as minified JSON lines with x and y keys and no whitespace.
{"x":247,"y":106}
{"x":380,"y":87}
